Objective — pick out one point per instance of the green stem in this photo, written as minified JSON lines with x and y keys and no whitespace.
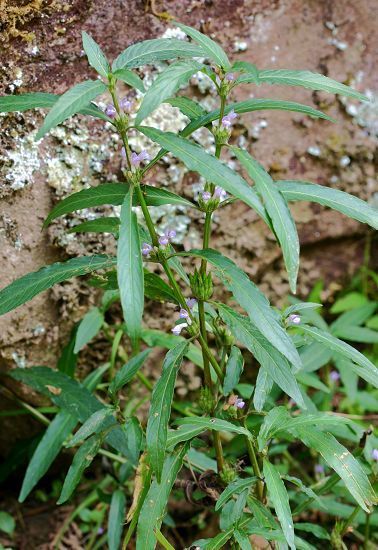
{"x":348,"y":521}
{"x":367,"y":531}
{"x":254,"y":462}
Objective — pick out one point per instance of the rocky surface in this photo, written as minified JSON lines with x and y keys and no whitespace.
{"x":41,"y":51}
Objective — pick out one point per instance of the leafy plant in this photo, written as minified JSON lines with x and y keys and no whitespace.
{"x":257,"y":422}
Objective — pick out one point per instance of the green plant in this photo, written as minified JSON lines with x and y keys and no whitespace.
{"x":242,"y":420}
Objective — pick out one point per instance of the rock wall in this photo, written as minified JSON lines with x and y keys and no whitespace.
{"x":41,"y":50}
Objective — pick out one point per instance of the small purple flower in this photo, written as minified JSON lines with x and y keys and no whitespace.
{"x":126,"y":104}
{"x":334,"y":376}
{"x":144,"y":155}
{"x":146,"y":249}
{"x":184,"y":314}
{"x":191,"y":302}
{"x":206,"y":196}
{"x":110,"y":110}
{"x":178,"y":328}
{"x":163,"y":241}
{"x":100,"y":530}
{"x":170,"y":233}
{"x":123,"y":153}
{"x":227,"y":119}
{"x":239,"y":403}
{"x":137,"y":159}
{"x":220,"y":193}
{"x":374,"y":454}
{"x":319,"y":469}
{"x":294,"y":319}
{"x":229,"y":77}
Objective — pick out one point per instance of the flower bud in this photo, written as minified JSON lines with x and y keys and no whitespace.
{"x":206,"y":400}
{"x":110,"y":110}
{"x":201,"y":285}
{"x":146,"y":249}
{"x":163,"y":241}
{"x":227,"y":119}
{"x":126,"y":104}
{"x":334,"y":376}
{"x":294,"y":319}
{"x":230,"y":77}
{"x":374,"y":454}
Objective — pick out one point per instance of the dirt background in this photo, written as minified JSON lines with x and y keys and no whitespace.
{"x":40,"y":46}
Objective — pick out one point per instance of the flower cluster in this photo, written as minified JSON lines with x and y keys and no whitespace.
{"x":227,"y":120}
{"x":184,"y":314}
{"x":165,"y":239}
{"x":219,"y":194}
{"x":234,"y":402}
{"x":125,"y":104}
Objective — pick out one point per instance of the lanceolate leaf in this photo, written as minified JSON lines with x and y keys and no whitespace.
{"x":152,"y":512}
{"x":333,"y":198}
{"x":279,"y":498}
{"x":112,"y":193}
{"x":234,"y":488}
{"x":252,"y":300}
{"x":366,"y":369}
{"x":196,"y":159}
{"x":279,"y":213}
{"x":234,"y":368}
{"x":128,"y":371}
{"x":160,"y":410}
{"x":67,"y":359}
{"x":157,"y":289}
{"x":91,"y":426}
{"x":116,"y":519}
{"x":95,"y":55}
{"x":187,"y":106}
{"x":131,"y":79}
{"x":155,"y":338}
{"x":275,"y":364}
{"x":342,"y":461}
{"x":130,"y":269}
{"x":71,"y":103}
{"x":165,"y":85}
{"x":216,"y":424}
{"x":47,"y":450}
{"x":211,"y":48}
{"x":107,"y":224}
{"x":264,"y":384}
{"x":24,"y":102}
{"x":183,"y":433}
{"x":81,"y":461}
{"x":88,"y":328}
{"x":157,"y":49}
{"x":28,"y":286}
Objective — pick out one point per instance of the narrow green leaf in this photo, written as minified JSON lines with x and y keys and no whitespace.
{"x":342,"y":461}
{"x":99,"y":225}
{"x":71,"y":103}
{"x":156,"y":338}
{"x":317,"y":530}
{"x":314,"y":356}
{"x":128,"y":371}
{"x":166,"y":84}
{"x":307,"y":79}
{"x":208,"y":166}
{"x":312,"y":381}
{"x":163,"y":541}
{"x":95,"y":55}
{"x":112,"y":193}
{"x":131,"y":79}
{"x":278,"y":210}
{"x":7,"y":523}
{"x":116,"y":519}
{"x":24,"y":102}
{"x":134,"y":436}
{"x":242,"y":539}
{"x":25,"y":288}
{"x":366,"y":369}
{"x":298,"y":307}
{"x":333,"y":198}
{"x":130,"y":269}
{"x":279,"y":498}
{"x":157,"y":289}
{"x":183,"y":433}
{"x":302,"y":487}
{"x":354,"y":317}
{"x":88,"y":328}
{"x":47,"y":450}
{"x":160,"y":410}
{"x":271,"y":425}
{"x":357,"y":334}
{"x":157,"y":49}
{"x":152,"y":512}
{"x":351,"y":301}
{"x":82,"y":459}
{"x":211,"y":48}
{"x":67,"y":359}
{"x":187,"y":106}
{"x":275,"y":364}
{"x":90,"y":426}
{"x":215,"y":424}
{"x":234,"y":488}
{"x":264,"y":384}
{"x":234,"y":368}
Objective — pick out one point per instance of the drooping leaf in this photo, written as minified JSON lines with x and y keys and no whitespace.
{"x":95,"y":55}
{"x":354,"y":317}
{"x":302,"y":487}
{"x":156,"y":288}
{"x":82,"y":459}
{"x":234,"y":368}
{"x":366,"y":369}
{"x":25,"y":288}
{"x":67,"y":359}
{"x":187,"y":106}
{"x":160,"y":410}
{"x":112,"y":193}
{"x":128,"y":371}
{"x":242,"y":539}
{"x":157,"y":49}
{"x":305,"y":79}
{"x":234,"y":488}
{"x":116,"y":519}
{"x":333,"y":198}
{"x":71,"y":103}
{"x":278,"y":210}
{"x":216,"y":424}
{"x":276,"y":365}
{"x":88,"y":328}
{"x":152,"y":512}
{"x":134,"y":436}
{"x":166,"y":84}
{"x":47,"y":450}
{"x":208,"y":166}
{"x":279,"y":498}
{"x":317,"y":530}
{"x":107,"y":224}
{"x":342,"y":461}
{"x":264,"y":384}
{"x":131,"y":79}
{"x":130,"y":269}
{"x":91,"y":426}
{"x":270,"y":424}
{"x":211,"y":48}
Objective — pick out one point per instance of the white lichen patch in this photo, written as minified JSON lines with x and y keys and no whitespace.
{"x":21,"y":162}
